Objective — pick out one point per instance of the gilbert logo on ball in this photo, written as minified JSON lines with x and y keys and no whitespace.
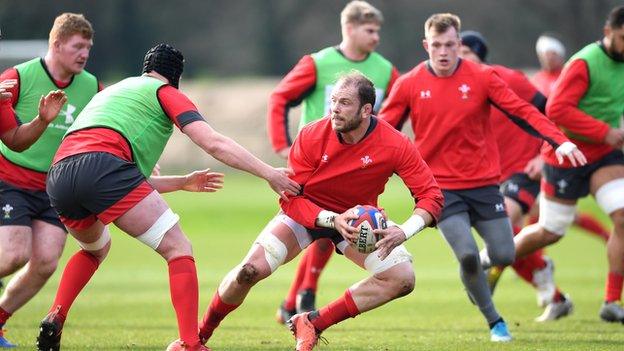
{"x":369,"y":218}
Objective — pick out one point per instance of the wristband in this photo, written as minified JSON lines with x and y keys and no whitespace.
{"x":413,"y":225}
{"x":326,"y":218}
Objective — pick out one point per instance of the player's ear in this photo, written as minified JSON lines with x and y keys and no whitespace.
{"x":425,"y":44}
{"x":366,"y":110}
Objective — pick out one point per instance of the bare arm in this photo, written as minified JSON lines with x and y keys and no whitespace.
{"x":22,"y":137}
{"x":198,"y":181}
{"x":232,"y":154}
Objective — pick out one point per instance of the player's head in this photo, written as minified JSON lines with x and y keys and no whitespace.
{"x":360,"y":23}
{"x":550,"y":52}
{"x":474,"y":47}
{"x":352,"y":101}
{"x":442,"y":42}
{"x":614,"y":33}
{"x":70,"y":41}
{"x":165,"y":60}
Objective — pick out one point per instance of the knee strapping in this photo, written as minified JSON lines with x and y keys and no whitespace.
{"x":610,"y":196}
{"x":154,"y":235}
{"x":99,"y":244}
{"x":375,"y":265}
{"x":556,"y":217}
{"x":275,"y":251}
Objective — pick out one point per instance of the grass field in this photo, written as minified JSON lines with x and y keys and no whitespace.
{"x":127,"y":306}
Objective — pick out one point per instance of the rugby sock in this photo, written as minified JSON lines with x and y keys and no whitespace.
{"x":613,"y":288}
{"x":184,"y":291}
{"x":4,"y":316}
{"x":526,"y":265}
{"x":558,"y":297}
{"x":290,"y":303}
{"x":214,"y":315}
{"x":318,"y":258}
{"x":78,"y":271}
{"x":592,"y":225}
{"x":335,"y":312}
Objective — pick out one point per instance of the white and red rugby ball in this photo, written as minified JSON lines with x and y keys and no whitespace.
{"x":369,"y":218}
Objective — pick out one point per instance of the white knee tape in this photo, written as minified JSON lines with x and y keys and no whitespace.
{"x":275,"y":251}
{"x":610,"y":196}
{"x":555,"y":217}
{"x":153,"y":236}
{"x":98,"y":244}
{"x":375,"y":265}
{"x":301,"y":233}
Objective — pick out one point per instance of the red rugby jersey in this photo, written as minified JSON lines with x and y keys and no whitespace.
{"x":451,"y":121}
{"x":562,"y":108}
{"x":336,"y":176}
{"x":515,"y":147}
{"x":296,"y":85}
{"x":545,"y":81}
{"x":8,"y":118}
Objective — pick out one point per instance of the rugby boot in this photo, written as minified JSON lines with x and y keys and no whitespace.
{"x":306,"y":301}
{"x":612,"y":312}
{"x":179,"y":345}
{"x":556,"y":310}
{"x":283,"y":314}
{"x":304,"y":332}
{"x":50,"y":331}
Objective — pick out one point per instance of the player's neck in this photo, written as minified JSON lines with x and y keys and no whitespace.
{"x":56,"y":70}
{"x":351,"y":52}
{"x":354,"y":136}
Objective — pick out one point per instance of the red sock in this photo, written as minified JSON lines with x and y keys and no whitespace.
{"x":4,"y":316}
{"x":214,"y":315}
{"x":592,"y":225}
{"x":78,"y":271}
{"x":525,"y":266}
{"x":336,"y":312}
{"x":558,"y":297}
{"x":290,"y":302}
{"x":319,"y":254}
{"x":184,"y":291}
{"x":613,"y":289}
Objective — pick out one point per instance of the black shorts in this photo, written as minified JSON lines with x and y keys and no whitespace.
{"x":94,"y":185}
{"x":573,"y":183}
{"x":521,"y":189}
{"x":482,"y":204}
{"x":21,"y":206}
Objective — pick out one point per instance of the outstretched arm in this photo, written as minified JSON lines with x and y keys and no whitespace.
{"x":232,"y":154}
{"x":198,"y":181}
{"x":23,"y":136}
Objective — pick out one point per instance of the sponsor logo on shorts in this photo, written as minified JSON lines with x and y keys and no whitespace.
{"x":512,"y":187}
{"x":562,"y":185}
{"x":500,"y":207}
{"x":7,"y":211}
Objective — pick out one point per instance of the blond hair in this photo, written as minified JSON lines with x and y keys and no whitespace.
{"x":67,"y":24}
{"x":360,"y":12}
{"x":441,"y":22}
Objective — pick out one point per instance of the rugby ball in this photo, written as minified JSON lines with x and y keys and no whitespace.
{"x":369,"y":218}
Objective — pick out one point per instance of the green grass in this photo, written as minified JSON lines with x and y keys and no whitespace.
{"x":127,"y":306}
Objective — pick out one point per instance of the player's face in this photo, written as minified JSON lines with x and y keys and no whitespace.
{"x":73,"y":53}
{"x":365,"y":36}
{"x":443,"y":49}
{"x":551,"y":60}
{"x":345,"y":109}
{"x":467,"y":54}
{"x":615,"y":42}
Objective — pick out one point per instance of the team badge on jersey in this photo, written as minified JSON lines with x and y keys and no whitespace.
{"x":325,"y":158}
{"x":425,"y":94}
{"x":7,"y":211}
{"x":464,"y":89}
{"x":366,"y":160}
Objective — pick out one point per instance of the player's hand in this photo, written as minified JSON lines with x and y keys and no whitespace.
{"x":573,"y":154}
{"x":341,"y":224}
{"x":5,"y":85}
{"x":615,"y":137}
{"x":203,"y":181}
{"x":156,"y":170}
{"x":393,"y":236}
{"x":534,"y":167}
{"x":282,"y":185}
{"x":51,"y":104}
{"x":283,"y":153}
